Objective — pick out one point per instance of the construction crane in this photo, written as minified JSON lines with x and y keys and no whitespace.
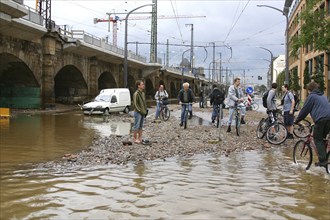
{"x":116,"y":19}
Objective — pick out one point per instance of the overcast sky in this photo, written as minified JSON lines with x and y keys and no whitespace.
{"x":239,"y":24}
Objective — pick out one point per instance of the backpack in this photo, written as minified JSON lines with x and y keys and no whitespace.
{"x":264,"y":99}
{"x":218,"y":97}
{"x":296,"y":100}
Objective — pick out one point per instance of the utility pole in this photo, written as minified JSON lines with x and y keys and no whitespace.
{"x":153,"y":47}
{"x":191,"y":47}
{"x":220,"y":68}
{"x":167,"y":52}
{"x":213,"y":69}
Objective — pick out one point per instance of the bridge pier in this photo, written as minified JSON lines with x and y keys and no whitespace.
{"x":48,"y":66}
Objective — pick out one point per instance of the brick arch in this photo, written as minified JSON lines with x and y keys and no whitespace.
{"x":172,"y":90}
{"x":19,"y":87}
{"x":131,"y":84}
{"x":149,"y":89}
{"x":106,"y":80}
{"x":15,"y":72}
{"x":70,"y":85}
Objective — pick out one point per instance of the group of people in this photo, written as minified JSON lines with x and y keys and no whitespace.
{"x":316,"y":105}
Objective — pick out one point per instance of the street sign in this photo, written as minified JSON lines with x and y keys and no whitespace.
{"x":249,"y":90}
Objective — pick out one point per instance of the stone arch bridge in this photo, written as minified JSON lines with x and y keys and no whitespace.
{"x":39,"y":67}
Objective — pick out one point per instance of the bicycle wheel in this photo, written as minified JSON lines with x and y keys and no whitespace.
{"x":165,"y":113}
{"x":254,"y":106}
{"x":302,"y":154}
{"x":185,"y":120}
{"x":276,"y":133}
{"x":302,"y":129}
{"x":218,"y":118}
{"x":261,"y":129}
{"x":327,"y":167}
{"x":237,"y":123}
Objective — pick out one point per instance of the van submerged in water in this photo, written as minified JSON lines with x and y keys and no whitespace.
{"x":109,"y":100}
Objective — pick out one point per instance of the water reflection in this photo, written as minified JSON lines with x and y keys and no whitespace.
{"x":257,"y":184}
{"x":248,"y":184}
{"x":37,"y":138}
{"x":107,"y":125}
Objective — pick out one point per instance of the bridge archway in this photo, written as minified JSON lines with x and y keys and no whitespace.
{"x":18,"y":85}
{"x":131,"y":84}
{"x":149,"y":89}
{"x":173,"y":92}
{"x":106,"y":81}
{"x":70,"y":85}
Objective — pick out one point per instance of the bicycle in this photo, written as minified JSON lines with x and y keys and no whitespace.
{"x":252,"y":107}
{"x":185,"y":119}
{"x":301,"y":130}
{"x":164,"y":112}
{"x":237,"y":112}
{"x":274,"y":130}
{"x":303,"y":152}
{"x":219,"y":116}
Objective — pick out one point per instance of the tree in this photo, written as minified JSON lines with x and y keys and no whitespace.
{"x":307,"y":77}
{"x":319,"y":74}
{"x":295,"y":80}
{"x":280,"y":81}
{"x":315,"y":29}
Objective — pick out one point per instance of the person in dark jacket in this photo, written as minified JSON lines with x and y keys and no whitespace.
{"x":217,"y":97}
{"x":318,"y":107}
{"x":186,"y":95}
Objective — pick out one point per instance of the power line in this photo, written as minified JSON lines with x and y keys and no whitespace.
{"x":236,"y":20}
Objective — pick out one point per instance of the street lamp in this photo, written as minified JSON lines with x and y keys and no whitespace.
{"x":125,"y":46}
{"x":285,"y":13}
{"x":182,"y":64}
{"x":269,"y":78}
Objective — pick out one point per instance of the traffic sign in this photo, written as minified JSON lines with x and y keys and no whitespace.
{"x":249,"y":90}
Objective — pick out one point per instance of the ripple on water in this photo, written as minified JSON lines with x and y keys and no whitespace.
{"x":248,"y":184}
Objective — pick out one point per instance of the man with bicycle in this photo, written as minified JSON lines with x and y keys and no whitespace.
{"x":186,"y":95}
{"x":160,"y":95}
{"x":288,"y":103}
{"x":271,"y":102}
{"x":318,"y":107}
{"x":235,"y":96}
{"x":217,"y":97}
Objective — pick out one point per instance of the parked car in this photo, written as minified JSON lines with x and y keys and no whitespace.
{"x":109,"y":100}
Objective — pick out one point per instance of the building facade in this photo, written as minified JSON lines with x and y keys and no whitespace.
{"x":278,"y":66}
{"x":308,"y":59}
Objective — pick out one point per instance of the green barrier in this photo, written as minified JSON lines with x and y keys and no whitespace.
{"x":20,"y":97}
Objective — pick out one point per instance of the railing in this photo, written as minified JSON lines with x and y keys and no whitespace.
{"x":33,"y":16}
{"x":98,"y":42}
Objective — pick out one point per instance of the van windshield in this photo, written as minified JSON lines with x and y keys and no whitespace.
{"x":102,"y":98}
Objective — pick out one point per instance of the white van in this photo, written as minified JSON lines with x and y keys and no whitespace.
{"x":109,"y":100}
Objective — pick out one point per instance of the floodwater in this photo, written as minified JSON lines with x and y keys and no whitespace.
{"x":250,"y":185}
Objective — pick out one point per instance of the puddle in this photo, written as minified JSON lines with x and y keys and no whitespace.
{"x":106,"y":126}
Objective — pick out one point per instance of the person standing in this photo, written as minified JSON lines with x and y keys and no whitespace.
{"x":271,"y":100}
{"x":186,"y":95}
{"x":140,"y":111}
{"x":235,"y":96}
{"x":201,"y":98}
{"x":288,"y":110}
{"x":318,"y":107}
{"x":159,"y":96}
{"x":217,"y":97}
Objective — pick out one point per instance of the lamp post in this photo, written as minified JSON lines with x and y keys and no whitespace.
{"x":285,"y":13}
{"x":269,"y":78}
{"x":125,"y":46}
{"x":182,"y":64}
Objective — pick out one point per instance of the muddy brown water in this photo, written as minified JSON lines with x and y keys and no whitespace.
{"x":253,"y":184}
